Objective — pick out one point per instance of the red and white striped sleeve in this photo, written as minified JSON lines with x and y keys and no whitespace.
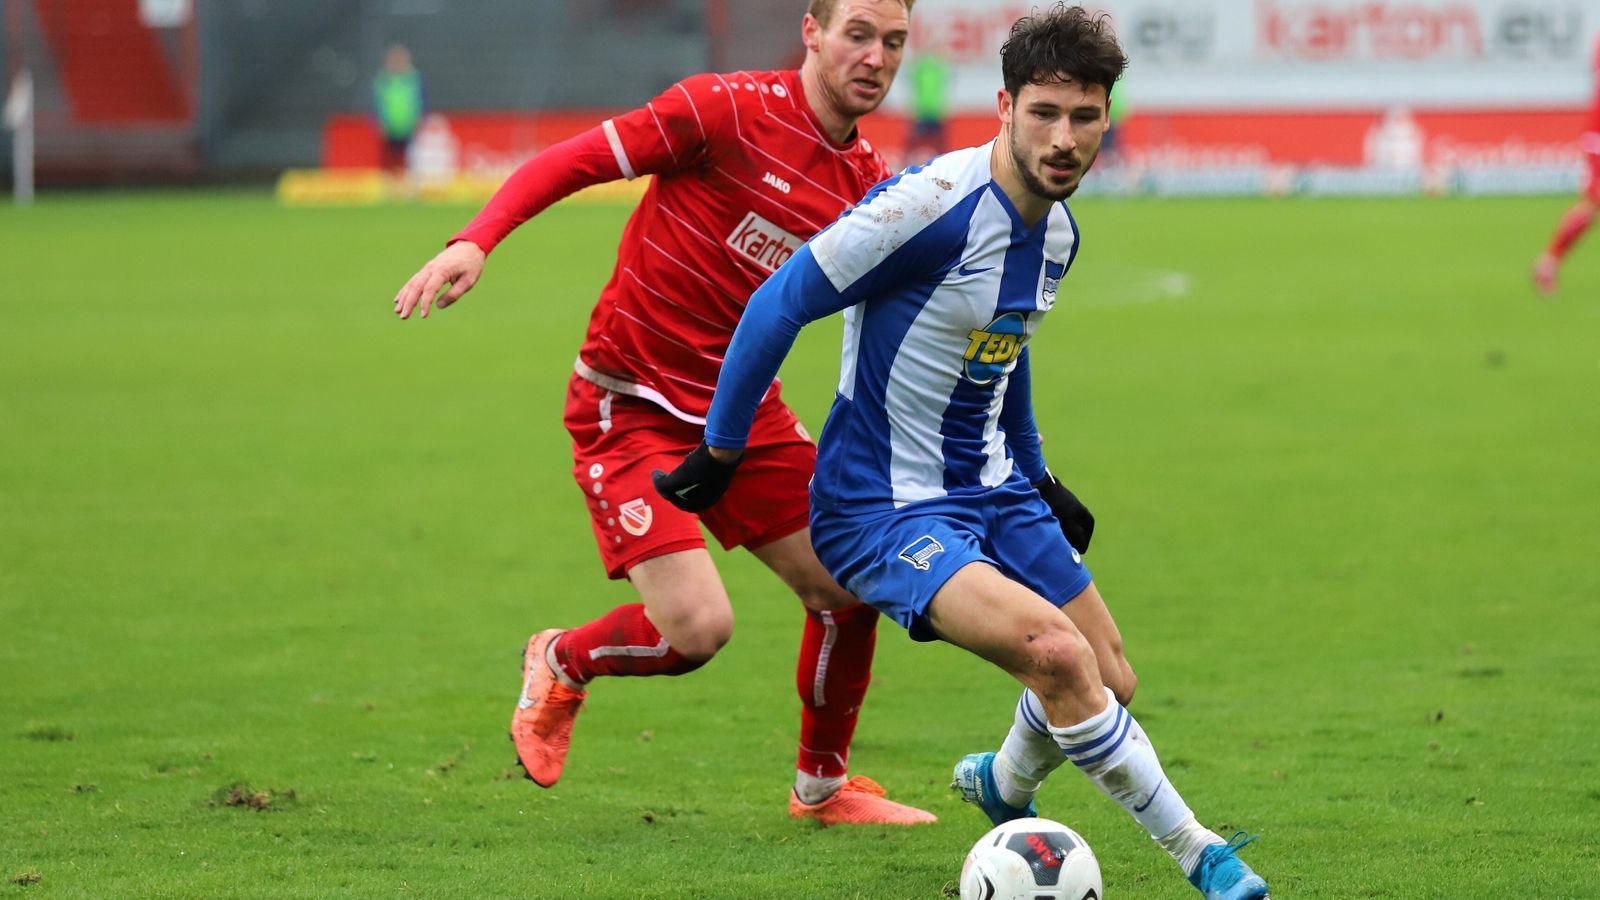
{"x":669,"y":133}
{"x":673,"y":131}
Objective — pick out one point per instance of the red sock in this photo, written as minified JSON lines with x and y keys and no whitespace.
{"x":835,"y":667}
{"x":1572,"y":227}
{"x":621,"y":642}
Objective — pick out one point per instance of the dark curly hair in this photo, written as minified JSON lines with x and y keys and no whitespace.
{"x":1063,"y":42}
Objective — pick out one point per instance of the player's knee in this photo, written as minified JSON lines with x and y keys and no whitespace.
{"x":702,"y":633}
{"x":1060,"y":657}
{"x":695,"y":623}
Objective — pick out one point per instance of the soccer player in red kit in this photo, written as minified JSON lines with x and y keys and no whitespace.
{"x":1578,"y":217}
{"x":747,"y":167}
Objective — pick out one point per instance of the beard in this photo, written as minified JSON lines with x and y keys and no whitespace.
{"x":1037,"y":185}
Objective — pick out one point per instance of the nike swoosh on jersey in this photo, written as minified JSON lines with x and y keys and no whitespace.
{"x":966,"y":271}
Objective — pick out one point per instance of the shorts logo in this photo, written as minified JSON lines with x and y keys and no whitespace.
{"x":636,"y":516}
{"x":921,"y":550}
{"x":992,"y":348}
{"x":763,"y":243}
{"x":1052,"y":280}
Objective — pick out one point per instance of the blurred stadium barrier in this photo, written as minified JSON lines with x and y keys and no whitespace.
{"x":116,"y":85}
{"x":1319,"y":96}
{"x":1223,"y":96}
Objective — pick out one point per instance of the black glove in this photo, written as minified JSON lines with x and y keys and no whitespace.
{"x":698,"y":482}
{"x":1076,"y":521}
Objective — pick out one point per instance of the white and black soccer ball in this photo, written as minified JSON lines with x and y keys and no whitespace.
{"x":1031,"y":859}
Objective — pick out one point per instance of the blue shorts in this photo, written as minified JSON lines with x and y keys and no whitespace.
{"x":897,"y":559}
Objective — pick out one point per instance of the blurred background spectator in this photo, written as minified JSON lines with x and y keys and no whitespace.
{"x":929,"y":77}
{"x":398,"y":106}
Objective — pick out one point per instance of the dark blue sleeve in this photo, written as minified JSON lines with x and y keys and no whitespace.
{"x":796,"y":294}
{"x":1016,"y":418}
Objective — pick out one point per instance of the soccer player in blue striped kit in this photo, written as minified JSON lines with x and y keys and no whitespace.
{"x":931,"y":499}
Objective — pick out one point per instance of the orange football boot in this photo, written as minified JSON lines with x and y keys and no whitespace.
{"x":541,"y":727}
{"x":860,"y":801}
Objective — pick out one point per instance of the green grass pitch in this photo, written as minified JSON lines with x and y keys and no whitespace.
{"x":263,"y":545}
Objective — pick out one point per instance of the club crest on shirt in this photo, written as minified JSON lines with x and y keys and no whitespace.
{"x":992,"y":348}
{"x":763,"y":243}
{"x":1052,"y":280}
{"x":636,"y":516}
{"x":921,"y":550}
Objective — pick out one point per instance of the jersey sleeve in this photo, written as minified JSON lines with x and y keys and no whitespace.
{"x":907,"y":228}
{"x":674,"y":131}
{"x":1016,"y":418}
{"x":561,"y":170}
{"x":796,"y":294}
{"x":671,"y":132}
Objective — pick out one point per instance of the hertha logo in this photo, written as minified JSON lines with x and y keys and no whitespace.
{"x":763,"y":243}
{"x":921,"y":550}
{"x":636,"y":516}
{"x":1052,"y":281}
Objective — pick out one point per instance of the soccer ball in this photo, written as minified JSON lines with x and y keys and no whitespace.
{"x":1031,"y":859}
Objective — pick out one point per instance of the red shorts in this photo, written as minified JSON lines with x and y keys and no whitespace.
{"x":618,"y":440}
{"x":1592,"y":188}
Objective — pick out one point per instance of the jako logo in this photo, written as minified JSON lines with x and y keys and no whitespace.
{"x":776,"y":182}
{"x":921,"y":550}
{"x":763,"y":243}
{"x":991,"y":349}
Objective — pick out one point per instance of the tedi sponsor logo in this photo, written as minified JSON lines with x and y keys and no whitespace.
{"x":763,"y":243}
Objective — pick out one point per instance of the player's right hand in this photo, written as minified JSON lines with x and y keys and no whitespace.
{"x":698,"y":482}
{"x":459,"y":265}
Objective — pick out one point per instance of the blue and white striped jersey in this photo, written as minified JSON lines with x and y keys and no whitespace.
{"x":941,"y":284}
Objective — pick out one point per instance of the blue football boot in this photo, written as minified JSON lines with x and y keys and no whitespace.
{"x":974,"y":778}
{"x":1222,"y":875}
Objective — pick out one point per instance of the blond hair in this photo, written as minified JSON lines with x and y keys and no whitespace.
{"x":822,"y":10}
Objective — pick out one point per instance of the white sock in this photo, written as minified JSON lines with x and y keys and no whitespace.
{"x":1114,"y":752}
{"x":1186,"y":842}
{"x":550,"y":660}
{"x":812,"y":789}
{"x":1028,"y":754}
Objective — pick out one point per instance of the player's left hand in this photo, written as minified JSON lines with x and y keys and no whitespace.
{"x":1076,"y":521}
{"x":699,"y":481}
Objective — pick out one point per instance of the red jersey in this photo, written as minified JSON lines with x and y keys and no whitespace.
{"x":744,"y":174}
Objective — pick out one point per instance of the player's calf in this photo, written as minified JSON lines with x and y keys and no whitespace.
{"x":1117,"y":674}
{"x":625,"y":642}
